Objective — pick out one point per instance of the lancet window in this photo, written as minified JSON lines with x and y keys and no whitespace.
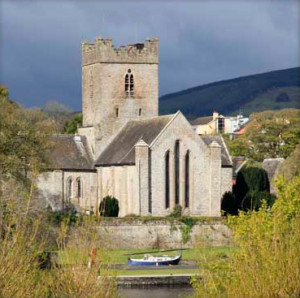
{"x":167,"y":180}
{"x":187,"y":179}
{"x":129,"y":84}
{"x":177,"y":169}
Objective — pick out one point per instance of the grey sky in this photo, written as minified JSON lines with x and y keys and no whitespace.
{"x":200,"y":41}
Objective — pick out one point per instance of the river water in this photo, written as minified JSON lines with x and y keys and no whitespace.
{"x":157,"y":292}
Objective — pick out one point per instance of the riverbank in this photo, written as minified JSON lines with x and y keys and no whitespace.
{"x":156,"y":280}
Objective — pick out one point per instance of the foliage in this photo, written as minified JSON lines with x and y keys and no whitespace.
{"x":177,"y":212}
{"x":266,"y":262}
{"x":270,"y":134}
{"x":251,"y":188}
{"x":71,"y":125}
{"x":109,"y":207}
{"x":187,"y":227}
{"x":252,"y":93}
{"x":229,"y":203}
{"x":23,"y":139}
{"x":291,"y":166}
{"x":24,"y":252}
{"x":58,"y":113}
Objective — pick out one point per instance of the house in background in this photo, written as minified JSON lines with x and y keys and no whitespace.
{"x":271,"y":166}
{"x":218,"y":124}
{"x":238,"y":163}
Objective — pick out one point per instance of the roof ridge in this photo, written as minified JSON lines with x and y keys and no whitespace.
{"x":165,"y":127}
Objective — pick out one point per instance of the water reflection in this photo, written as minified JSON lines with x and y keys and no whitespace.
{"x":159,"y":292}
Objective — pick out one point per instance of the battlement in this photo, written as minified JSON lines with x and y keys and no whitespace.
{"x":103,"y":51}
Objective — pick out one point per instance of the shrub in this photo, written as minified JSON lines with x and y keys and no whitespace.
{"x":229,"y":204}
{"x":252,"y":185}
{"x":254,"y":199}
{"x":266,"y":261}
{"x":109,"y":207}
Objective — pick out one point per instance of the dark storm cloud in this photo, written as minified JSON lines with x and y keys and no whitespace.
{"x":200,"y":42}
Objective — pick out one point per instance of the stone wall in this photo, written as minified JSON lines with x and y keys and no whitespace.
{"x":120,"y":182}
{"x":53,"y":189}
{"x":203,"y":202}
{"x":137,"y":234}
{"x":226,"y":180}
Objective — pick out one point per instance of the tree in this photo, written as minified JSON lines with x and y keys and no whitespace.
{"x":23,"y":138}
{"x":59,"y":113}
{"x":71,"y":125}
{"x":229,"y":204}
{"x":290,"y":168}
{"x":265,"y":259}
{"x":270,"y":134}
{"x":251,"y":188}
{"x":109,"y":207}
{"x":283,"y":97}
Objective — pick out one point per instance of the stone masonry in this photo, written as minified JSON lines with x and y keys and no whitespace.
{"x":124,"y":149}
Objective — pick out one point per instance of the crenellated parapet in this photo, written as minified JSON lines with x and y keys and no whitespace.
{"x":103,"y":51}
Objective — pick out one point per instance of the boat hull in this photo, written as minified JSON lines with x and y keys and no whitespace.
{"x":135,"y":262}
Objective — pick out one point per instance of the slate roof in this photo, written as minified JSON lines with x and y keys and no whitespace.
{"x":226,"y":159}
{"x":121,"y":150}
{"x":70,"y":153}
{"x":271,"y":165}
{"x":237,"y":163}
{"x":202,"y":120}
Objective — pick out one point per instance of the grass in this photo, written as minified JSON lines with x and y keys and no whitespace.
{"x":204,"y":254}
{"x":209,"y":253}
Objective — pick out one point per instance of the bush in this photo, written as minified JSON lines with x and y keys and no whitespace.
{"x":252,"y":185}
{"x":109,"y":207}
{"x":229,"y":204}
{"x":254,"y":199}
{"x":266,"y":261}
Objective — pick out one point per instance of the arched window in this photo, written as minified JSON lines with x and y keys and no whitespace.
{"x":129,"y":84}
{"x":187,"y":179}
{"x":167,"y":180}
{"x":79,"y":189}
{"x":177,"y":154}
{"x":69,"y":188}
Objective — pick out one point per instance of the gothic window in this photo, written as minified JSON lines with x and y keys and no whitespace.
{"x":187,"y":179}
{"x":177,"y":153}
{"x":129,"y":84}
{"x":79,"y":188}
{"x":140,"y":112}
{"x":69,"y":188}
{"x":117,"y":112}
{"x":167,"y":180}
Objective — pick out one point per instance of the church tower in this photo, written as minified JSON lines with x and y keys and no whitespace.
{"x":118,"y":85}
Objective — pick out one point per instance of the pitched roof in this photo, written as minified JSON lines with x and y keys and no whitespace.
{"x":237,"y":164}
{"x":226,"y":159}
{"x":271,"y":165}
{"x":70,"y":153}
{"x":121,"y":150}
{"x":202,"y":120}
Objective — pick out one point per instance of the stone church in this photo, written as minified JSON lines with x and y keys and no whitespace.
{"x":150,"y":163}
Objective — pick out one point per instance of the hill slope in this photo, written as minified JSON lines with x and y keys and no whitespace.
{"x":271,"y":90}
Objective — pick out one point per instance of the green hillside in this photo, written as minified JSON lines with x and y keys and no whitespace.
{"x":271,"y":90}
